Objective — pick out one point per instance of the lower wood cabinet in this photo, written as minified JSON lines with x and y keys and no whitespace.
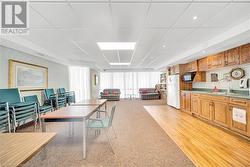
{"x":195,"y":103}
{"x":243,"y":104}
{"x":186,"y":101}
{"x":206,"y":108}
{"x":220,"y":113}
{"x":218,"y":110}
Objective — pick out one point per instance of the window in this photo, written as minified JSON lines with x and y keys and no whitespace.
{"x":80,"y":82}
{"x":128,"y":82}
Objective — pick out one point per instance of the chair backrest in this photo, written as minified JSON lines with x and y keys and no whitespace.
{"x":4,"y":117}
{"x":61,"y":91}
{"x":48,"y":93}
{"x":112,"y":115}
{"x":32,"y":98}
{"x":10,"y":95}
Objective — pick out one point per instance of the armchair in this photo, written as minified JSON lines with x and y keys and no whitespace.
{"x":20,"y":112}
{"x":42,"y":109}
{"x":70,"y":95}
{"x":58,"y":101}
{"x":4,"y":117}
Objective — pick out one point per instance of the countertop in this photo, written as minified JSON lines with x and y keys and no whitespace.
{"x":234,"y":94}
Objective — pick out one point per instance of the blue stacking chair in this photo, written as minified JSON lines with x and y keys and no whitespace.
{"x":58,"y":101}
{"x":103,"y":123}
{"x":20,"y":112}
{"x":42,"y":109}
{"x":70,"y":96}
{"x":4,"y":117}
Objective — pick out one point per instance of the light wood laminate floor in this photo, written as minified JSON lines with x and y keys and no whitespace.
{"x":204,"y":144}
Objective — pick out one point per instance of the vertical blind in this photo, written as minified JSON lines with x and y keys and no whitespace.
{"x":80,"y":82}
{"x":128,"y":82}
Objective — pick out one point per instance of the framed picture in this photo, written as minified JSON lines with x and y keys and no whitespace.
{"x":26,"y":76}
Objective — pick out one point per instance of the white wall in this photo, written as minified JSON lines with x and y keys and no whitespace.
{"x":234,"y":84}
{"x":57,"y":73}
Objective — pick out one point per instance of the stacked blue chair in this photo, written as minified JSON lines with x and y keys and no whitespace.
{"x":58,"y":101}
{"x":20,"y":112}
{"x":4,"y":117}
{"x":42,"y":109}
{"x":70,"y":96}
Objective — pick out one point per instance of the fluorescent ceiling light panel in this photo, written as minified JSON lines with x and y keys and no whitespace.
{"x":116,"y":45}
{"x":119,"y":64}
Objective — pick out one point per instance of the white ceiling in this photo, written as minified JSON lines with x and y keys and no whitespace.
{"x":68,"y":30}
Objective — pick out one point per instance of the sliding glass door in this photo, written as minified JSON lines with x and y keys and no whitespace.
{"x":128,"y":82}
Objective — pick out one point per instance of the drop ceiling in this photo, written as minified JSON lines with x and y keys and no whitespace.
{"x":68,"y":30}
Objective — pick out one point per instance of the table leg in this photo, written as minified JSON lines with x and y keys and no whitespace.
{"x":43,"y":126}
{"x":105,"y":106}
{"x":84,"y":139}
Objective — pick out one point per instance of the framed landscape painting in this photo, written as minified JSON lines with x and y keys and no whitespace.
{"x":27,"y":76}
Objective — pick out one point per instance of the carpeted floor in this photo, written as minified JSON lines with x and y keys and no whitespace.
{"x":141,"y":143}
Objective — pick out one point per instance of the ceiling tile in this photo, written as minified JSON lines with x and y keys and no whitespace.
{"x":125,"y":55}
{"x":37,"y":21}
{"x":58,"y":14}
{"x":129,"y":14}
{"x":112,"y":56}
{"x":164,"y":14}
{"x":176,"y":34}
{"x":204,"y":34}
{"x":232,"y":15}
{"x":203,"y":11}
{"x":93,"y":15}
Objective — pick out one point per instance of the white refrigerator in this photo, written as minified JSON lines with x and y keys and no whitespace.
{"x":173,"y":86}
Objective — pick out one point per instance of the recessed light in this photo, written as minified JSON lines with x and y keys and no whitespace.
{"x":116,"y":45}
{"x":163,"y":46}
{"x":195,"y":17}
{"x":119,"y":64}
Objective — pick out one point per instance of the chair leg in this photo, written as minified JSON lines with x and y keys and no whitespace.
{"x":113,"y":131}
{"x":107,"y":136}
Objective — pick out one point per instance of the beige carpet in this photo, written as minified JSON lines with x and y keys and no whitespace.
{"x":141,"y":143}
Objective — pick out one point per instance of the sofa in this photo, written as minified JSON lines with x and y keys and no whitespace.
{"x":111,"y":94}
{"x":149,"y":94}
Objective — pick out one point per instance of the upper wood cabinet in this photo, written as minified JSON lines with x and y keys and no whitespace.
{"x":202,"y":64}
{"x":245,"y":54}
{"x":191,"y":67}
{"x":174,"y":70}
{"x":216,"y":61}
{"x":232,"y":57}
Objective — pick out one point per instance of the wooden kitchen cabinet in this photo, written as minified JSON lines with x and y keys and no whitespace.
{"x":202,"y":64}
{"x":191,"y":67}
{"x":174,"y":70}
{"x":245,"y":54}
{"x":206,"y":108}
{"x":220,"y":113}
{"x":232,"y":57}
{"x":195,"y":103}
{"x":242,"y":128}
{"x":186,"y":101}
{"x":216,"y":61}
